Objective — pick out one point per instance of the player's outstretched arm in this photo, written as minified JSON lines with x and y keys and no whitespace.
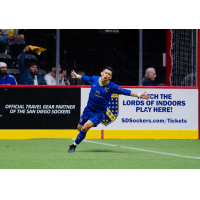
{"x":142,"y":96}
{"x":75,"y":75}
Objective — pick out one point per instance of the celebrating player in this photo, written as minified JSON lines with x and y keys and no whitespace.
{"x":100,"y":94}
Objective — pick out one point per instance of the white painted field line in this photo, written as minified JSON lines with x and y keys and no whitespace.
{"x":169,"y":154}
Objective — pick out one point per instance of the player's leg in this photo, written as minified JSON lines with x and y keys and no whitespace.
{"x":81,"y":136}
{"x":84,"y":118}
{"x":83,"y":126}
{"x":88,"y":120}
{"x":79,"y":127}
{"x":82,"y":121}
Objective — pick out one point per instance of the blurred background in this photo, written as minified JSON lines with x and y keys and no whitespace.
{"x":172,"y":52}
{"x":88,"y":51}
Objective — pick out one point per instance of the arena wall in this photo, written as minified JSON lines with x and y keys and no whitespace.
{"x":54,"y":111}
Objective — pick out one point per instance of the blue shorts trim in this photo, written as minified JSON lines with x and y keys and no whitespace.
{"x":92,"y":115}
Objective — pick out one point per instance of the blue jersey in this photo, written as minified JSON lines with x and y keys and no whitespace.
{"x":8,"y":80}
{"x":99,"y":96}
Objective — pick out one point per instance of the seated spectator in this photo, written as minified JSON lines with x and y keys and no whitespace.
{"x":4,"y":35}
{"x":29,"y":76}
{"x":50,"y":78}
{"x":149,"y":78}
{"x":5,"y":78}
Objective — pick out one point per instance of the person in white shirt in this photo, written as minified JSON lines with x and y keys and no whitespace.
{"x":50,"y":78}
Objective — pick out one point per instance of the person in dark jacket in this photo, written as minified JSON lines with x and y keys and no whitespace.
{"x":29,"y":76}
{"x":149,"y":78}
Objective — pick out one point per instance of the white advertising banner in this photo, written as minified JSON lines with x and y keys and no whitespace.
{"x":168,"y":109}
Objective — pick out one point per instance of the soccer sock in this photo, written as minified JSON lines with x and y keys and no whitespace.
{"x":74,"y":144}
{"x":80,"y":137}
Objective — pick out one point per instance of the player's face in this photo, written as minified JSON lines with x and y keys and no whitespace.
{"x":106,"y":75}
{"x":33,"y":69}
{"x":152,"y":75}
{"x":3,"y":70}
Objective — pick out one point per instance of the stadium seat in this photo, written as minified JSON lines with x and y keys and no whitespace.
{"x":41,"y":72}
{"x":16,"y":47}
{"x":30,"y":57}
{"x":15,"y":73}
{"x":189,"y":80}
{"x":3,"y":47}
{"x":7,"y":59}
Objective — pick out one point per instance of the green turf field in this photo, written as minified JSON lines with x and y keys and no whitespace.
{"x":125,"y":154}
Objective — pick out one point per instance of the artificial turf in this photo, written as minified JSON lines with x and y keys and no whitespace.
{"x":52,"y":154}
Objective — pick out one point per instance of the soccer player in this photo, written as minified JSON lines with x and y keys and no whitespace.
{"x":100,"y":94}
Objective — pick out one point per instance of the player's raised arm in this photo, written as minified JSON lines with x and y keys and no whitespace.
{"x":142,"y":96}
{"x":81,"y":77}
{"x":75,"y":75}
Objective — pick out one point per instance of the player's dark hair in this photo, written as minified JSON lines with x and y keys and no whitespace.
{"x":109,"y":68}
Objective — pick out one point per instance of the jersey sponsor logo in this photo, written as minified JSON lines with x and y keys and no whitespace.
{"x":98,"y":92}
{"x":112,"y":110}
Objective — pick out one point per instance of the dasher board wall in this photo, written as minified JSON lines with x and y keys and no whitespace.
{"x":39,"y":108}
{"x":169,"y":114}
{"x":53,"y":112}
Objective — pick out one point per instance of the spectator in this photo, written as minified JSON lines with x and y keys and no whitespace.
{"x":4,"y":35}
{"x":50,"y":78}
{"x":149,"y":78}
{"x":5,"y":78}
{"x":29,"y":76}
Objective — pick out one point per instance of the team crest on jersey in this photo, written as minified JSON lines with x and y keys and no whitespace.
{"x":106,"y":89}
{"x":112,"y":110}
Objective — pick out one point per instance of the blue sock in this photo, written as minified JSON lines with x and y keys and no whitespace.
{"x":80,"y":137}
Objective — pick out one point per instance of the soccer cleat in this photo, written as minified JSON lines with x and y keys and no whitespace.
{"x":71,"y":148}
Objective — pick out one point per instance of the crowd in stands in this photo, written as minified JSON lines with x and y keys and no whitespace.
{"x":18,"y":66}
